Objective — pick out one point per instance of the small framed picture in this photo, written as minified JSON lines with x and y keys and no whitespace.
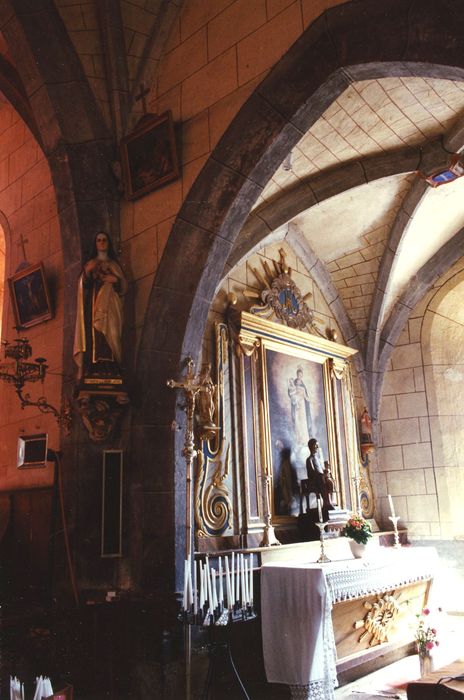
{"x":149,"y":156}
{"x":29,"y":294}
{"x":32,"y":451}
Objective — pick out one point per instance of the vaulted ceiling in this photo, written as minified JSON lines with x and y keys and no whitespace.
{"x":351,"y":203}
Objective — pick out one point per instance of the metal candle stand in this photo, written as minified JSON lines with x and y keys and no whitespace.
{"x":323,"y":559}
{"x":394,"y":519}
{"x":221,"y":617}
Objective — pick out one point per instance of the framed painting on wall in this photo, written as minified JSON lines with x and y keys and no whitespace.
{"x":30,"y":297}
{"x":149,"y":156}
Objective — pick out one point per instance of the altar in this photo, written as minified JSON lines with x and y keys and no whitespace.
{"x":317,"y":618}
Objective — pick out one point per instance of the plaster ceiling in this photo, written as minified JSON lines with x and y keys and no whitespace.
{"x":339,"y":225}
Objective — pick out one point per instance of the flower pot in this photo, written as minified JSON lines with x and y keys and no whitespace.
{"x":358,"y":549}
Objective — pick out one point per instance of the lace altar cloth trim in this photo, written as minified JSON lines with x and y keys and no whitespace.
{"x":378,"y":576}
{"x":322,"y":689}
{"x":317,"y":690}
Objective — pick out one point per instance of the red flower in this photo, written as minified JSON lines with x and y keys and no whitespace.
{"x":425,"y":611}
{"x":429,"y":645}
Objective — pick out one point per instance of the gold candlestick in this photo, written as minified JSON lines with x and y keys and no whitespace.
{"x":323,"y":558}
{"x":394,"y":519}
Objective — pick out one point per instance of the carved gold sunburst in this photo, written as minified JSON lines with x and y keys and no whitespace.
{"x":379,"y":620}
{"x":281,"y":298}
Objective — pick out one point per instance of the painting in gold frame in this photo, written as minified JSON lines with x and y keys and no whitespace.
{"x":294,"y":388}
{"x":30,"y":297}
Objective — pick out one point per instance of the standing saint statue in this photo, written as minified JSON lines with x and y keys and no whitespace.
{"x":99,"y":319}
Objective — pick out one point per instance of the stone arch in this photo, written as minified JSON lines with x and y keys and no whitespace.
{"x":351,"y":41}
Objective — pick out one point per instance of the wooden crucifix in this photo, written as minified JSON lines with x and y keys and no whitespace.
{"x":191,"y":386}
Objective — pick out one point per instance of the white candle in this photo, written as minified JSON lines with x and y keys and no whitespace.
{"x":237,"y":578}
{"x":205,"y":587}
{"x":184,"y":601}
{"x":221,"y":586}
{"x":319,"y":509}
{"x":392,"y":509}
{"x":189,"y":584}
{"x":213,"y":589}
{"x":232,"y":584}
{"x":195,"y":601}
{"x":202,"y":585}
{"x":230,"y":602}
{"x":242,"y":581}
{"x":251,"y":580}
{"x":210,"y":594}
{"x":247,"y":580}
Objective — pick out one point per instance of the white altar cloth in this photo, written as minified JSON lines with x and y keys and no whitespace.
{"x":296,"y":604}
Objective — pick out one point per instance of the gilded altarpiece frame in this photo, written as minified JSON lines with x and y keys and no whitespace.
{"x":213,"y":481}
{"x":295,"y":385}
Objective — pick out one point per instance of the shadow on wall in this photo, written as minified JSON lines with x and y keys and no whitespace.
{"x":442,"y":342}
{"x":449,"y":581}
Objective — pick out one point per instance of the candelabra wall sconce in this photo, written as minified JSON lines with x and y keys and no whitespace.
{"x":18,"y":370}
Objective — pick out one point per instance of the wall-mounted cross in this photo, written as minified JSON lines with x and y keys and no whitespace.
{"x":22,"y":244}
{"x":142,"y":95}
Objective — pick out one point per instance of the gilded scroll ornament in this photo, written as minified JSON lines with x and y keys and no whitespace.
{"x":213,"y":506}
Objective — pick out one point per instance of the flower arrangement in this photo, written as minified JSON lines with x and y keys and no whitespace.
{"x":426,"y":636}
{"x":357,"y":529}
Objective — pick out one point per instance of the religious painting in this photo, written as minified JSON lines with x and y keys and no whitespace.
{"x":289,"y":382}
{"x":29,"y":294}
{"x":296,"y":398}
{"x":149,"y":156}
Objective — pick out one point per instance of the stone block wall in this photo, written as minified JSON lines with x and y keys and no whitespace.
{"x":28,"y":209}
{"x":215,"y":56}
{"x":420,"y":459}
